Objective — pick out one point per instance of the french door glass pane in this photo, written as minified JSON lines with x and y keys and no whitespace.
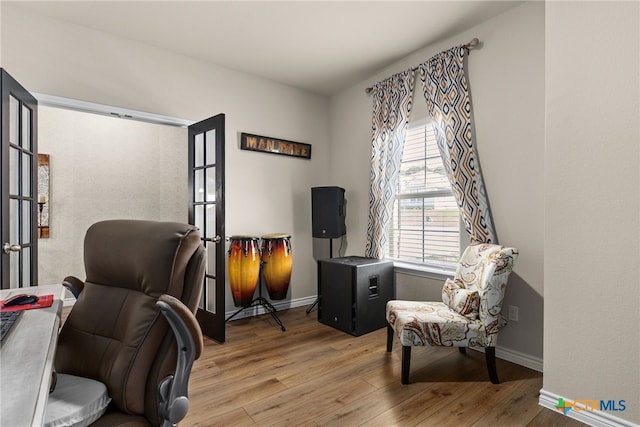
{"x":14,"y":120}
{"x":211,"y":294}
{"x":198,"y":185}
{"x":198,"y":213}
{"x":211,"y":222}
{"x":26,"y":174}
{"x":14,"y":231}
{"x":14,"y":161}
{"x":211,"y":147}
{"x":26,"y":222}
{"x":211,"y":184}
{"x":26,"y":128}
{"x":199,"y":150}
{"x":211,"y":260}
{"x":26,"y":266}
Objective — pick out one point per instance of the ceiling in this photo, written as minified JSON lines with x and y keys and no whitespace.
{"x":322,"y":47}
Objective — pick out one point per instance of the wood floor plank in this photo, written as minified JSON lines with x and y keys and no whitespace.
{"x":234,"y":418}
{"x":549,"y":418}
{"x":314,"y":375}
{"x":302,"y":405}
{"x":326,"y":377}
{"x":521,"y":404}
{"x":436,"y":392}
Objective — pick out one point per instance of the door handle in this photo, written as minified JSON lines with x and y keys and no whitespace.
{"x":6,"y":248}
{"x":216,"y":239}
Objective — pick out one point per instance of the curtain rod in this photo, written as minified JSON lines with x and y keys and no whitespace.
{"x":474,"y":42}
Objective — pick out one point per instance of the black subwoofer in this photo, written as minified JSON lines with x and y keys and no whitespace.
{"x":353,"y":293}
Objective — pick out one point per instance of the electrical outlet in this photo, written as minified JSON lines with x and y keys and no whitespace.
{"x":513,"y":313}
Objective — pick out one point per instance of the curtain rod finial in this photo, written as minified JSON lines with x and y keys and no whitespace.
{"x":474,"y":42}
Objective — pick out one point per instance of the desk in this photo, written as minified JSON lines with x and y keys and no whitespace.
{"x":26,"y":360}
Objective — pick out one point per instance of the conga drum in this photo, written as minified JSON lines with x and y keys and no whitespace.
{"x":277,"y":260}
{"x":244,"y":268}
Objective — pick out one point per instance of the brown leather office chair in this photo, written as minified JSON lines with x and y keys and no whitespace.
{"x":115,"y":333}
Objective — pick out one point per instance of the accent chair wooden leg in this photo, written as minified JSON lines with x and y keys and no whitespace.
{"x":406,"y":363}
{"x":463,"y":350}
{"x":390,"y":334}
{"x":490,"y":355}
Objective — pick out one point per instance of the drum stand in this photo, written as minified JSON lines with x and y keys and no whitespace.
{"x":261,"y":301}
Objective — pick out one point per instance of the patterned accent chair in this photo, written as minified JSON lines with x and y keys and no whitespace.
{"x":469,"y":314}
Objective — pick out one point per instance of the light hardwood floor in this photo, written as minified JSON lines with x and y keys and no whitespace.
{"x":315,"y":375}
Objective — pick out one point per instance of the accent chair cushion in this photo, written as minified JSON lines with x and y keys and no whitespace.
{"x":460,"y":299}
{"x":76,"y":401}
{"x":419,"y":323}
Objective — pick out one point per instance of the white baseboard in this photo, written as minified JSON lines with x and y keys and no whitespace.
{"x":516,"y":357}
{"x":593,"y":418}
{"x":519,"y":358}
{"x":282,"y":305}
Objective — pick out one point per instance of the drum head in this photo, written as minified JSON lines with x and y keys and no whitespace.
{"x":276,"y":236}
{"x":240,"y":237}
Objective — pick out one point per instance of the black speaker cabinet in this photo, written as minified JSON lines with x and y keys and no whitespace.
{"x":328,"y":212}
{"x":353,"y":293}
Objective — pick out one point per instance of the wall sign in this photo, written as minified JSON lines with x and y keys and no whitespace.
{"x":274,"y":146}
{"x":43,"y":196}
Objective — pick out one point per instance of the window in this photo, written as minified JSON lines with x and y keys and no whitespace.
{"x":425,"y":226}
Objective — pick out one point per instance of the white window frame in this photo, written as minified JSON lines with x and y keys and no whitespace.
{"x":426,"y":269}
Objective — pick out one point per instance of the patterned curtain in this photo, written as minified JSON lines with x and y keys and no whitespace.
{"x":447,"y":96}
{"x":392,"y":100}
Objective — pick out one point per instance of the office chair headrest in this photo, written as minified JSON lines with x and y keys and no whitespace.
{"x":140,"y":255}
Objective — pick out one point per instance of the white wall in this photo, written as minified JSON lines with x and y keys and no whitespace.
{"x":103,"y":168}
{"x":592,"y":201}
{"x":264,"y":193}
{"x":506,"y":80}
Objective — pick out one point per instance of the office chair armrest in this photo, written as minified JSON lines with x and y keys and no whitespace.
{"x":174,"y":402}
{"x":73,"y":284}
